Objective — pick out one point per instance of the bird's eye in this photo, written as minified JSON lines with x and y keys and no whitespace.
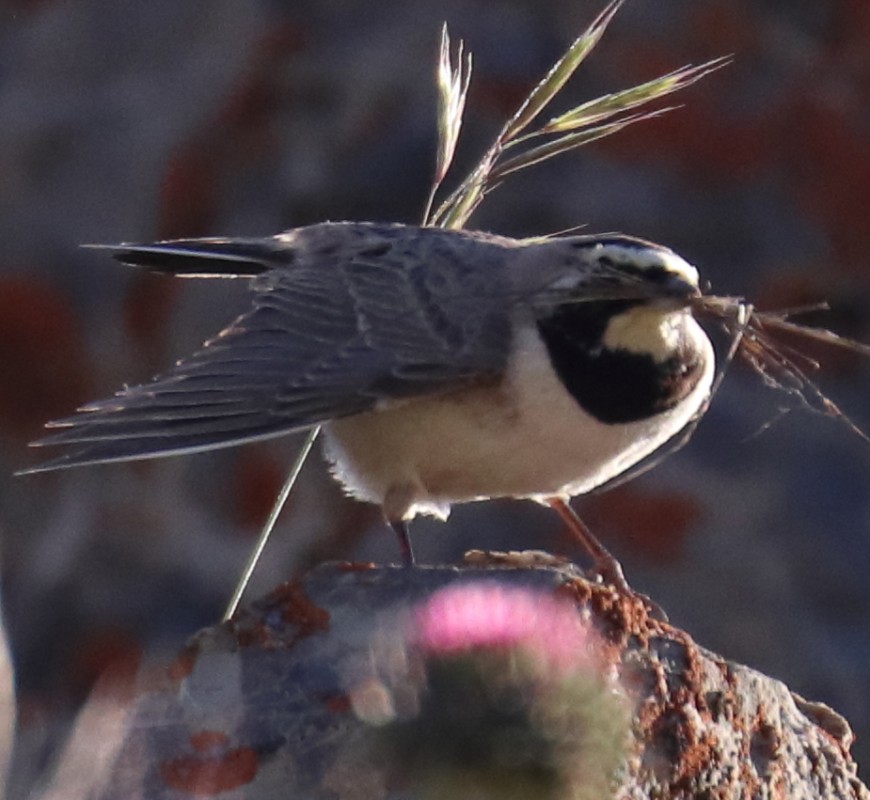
{"x":657,"y":274}
{"x":606,"y":262}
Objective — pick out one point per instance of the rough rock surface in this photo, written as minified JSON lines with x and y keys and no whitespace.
{"x":261,"y":706}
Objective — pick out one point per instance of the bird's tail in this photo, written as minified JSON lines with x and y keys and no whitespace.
{"x":204,"y":258}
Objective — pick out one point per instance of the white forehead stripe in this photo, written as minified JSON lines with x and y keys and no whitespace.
{"x":647,"y":257}
{"x":679,"y":266}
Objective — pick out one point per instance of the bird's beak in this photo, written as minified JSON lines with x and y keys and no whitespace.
{"x":675,"y":287}
{"x":670,"y":289}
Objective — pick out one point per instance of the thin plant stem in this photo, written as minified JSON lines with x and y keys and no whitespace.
{"x":583,"y":124}
{"x":266,"y":532}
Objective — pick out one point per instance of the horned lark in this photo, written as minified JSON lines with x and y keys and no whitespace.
{"x":445,"y":366}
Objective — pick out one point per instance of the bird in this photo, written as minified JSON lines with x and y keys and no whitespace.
{"x":444,"y":366}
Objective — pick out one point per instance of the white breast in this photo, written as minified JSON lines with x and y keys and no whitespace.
{"x":524,"y":436}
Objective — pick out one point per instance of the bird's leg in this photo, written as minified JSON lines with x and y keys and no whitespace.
{"x":603,"y":562}
{"x":396,"y":506}
{"x":400,"y":528}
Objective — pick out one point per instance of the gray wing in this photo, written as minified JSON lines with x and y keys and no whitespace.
{"x":390,"y":313}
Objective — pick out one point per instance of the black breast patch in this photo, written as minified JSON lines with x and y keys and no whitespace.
{"x":614,"y":386}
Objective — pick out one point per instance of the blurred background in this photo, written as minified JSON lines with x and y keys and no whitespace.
{"x":127,"y":121}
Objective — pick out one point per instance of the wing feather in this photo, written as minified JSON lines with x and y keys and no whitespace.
{"x":353,"y":315}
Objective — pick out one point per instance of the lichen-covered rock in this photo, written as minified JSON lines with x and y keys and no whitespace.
{"x":263,"y":706}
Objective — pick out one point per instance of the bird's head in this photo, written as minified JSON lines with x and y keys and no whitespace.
{"x":616,"y":267}
{"x":615,"y":314}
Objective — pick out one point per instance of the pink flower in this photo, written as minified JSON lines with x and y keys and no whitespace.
{"x":484,"y":615}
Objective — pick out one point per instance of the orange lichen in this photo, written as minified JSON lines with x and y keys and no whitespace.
{"x":290,"y":602}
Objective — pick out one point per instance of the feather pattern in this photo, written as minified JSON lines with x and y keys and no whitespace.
{"x":345,"y":316}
